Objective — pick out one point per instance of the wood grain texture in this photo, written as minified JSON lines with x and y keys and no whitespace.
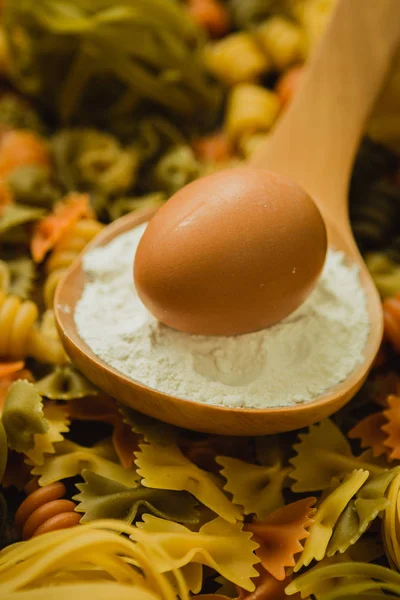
{"x":314,"y":143}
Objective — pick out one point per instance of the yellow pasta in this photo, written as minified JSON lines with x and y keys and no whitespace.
{"x":322,"y":454}
{"x":19,"y":334}
{"x":81,"y":559}
{"x":283,"y":41}
{"x":166,"y":468}
{"x":314,"y":16}
{"x":58,"y":423}
{"x":257,"y":488}
{"x":214,"y":545}
{"x":251,"y":109}
{"x":71,"y":459}
{"x":327,"y":516}
{"x":391,"y":524}
{"x":236,"y":59}
{"x":17,"y":319}
{"x":65,"y":252}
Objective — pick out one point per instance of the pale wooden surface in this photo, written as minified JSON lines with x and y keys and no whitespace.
{"x":314,"y":143}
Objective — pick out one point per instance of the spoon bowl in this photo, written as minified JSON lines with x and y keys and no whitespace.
{"x":187,"y":413}
{"x":314,"y":144}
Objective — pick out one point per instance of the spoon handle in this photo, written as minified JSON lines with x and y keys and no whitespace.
{"x":316,"y":139}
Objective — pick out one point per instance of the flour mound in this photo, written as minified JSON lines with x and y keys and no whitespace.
{"x":294,"y":361}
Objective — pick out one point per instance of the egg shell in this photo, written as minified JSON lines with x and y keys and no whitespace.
{"x":231,"y":253}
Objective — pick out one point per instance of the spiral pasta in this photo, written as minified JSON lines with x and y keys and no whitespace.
{"x":45,"y":509}
{"x":65,"y":252}
{"x":19,"y":335}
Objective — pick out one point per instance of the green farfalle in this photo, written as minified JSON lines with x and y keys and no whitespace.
{"x":65,"y":383}
{"x":327,"y":516}
{"x":3,"y":449}
{"x":17,"y":214}
{"x":22,"y":277}
{"x":23,"y":416}
{"x":71,"y":459}
{"x":370,"y":580}
{"x":257,"y":488}
{"x":165,"y":467}
{"x":369,"y":501}
{"x":44,"y":443}
{"x":31,"y":185}
{"x":102,"y":498}
{"x":151,"y":429}
{"x":322,"y":454}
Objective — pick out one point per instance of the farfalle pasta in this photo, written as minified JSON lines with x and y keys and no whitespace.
{"x":219,"y":540}
{"x":280,"y":534}
{"x":258,"y":489}
{"x":23,"y":416}
{"x":136,"y":508}
{"x":327,"y":516}
{"x":65,"y":383}
{"x":165,"y":467}
{"x":71,"y":459}
{"x":104,"y":409}
{"x":322,"y":454}
{"x":102,"y":498}
{"x":58,"y":422}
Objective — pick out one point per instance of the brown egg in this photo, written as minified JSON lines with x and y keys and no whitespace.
{"x":231,"y":253}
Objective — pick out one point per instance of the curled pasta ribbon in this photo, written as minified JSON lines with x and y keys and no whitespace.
{"x":46,"y":510}
{"x":65,"y":252}
{"x":19,"y":335}
{"x":391,"y":319}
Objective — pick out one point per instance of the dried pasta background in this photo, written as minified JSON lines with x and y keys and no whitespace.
{"x":95,"y":498}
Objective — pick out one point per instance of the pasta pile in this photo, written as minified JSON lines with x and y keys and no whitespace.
{"x":96,"y":498}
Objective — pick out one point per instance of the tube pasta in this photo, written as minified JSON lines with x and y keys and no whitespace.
{"x":251,"y":109}
{"x":236,"y":59}
{"x":283,"y":41}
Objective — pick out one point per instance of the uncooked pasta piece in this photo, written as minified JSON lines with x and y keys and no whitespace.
{"x":236,"y":59}
{"x":251,"y":109}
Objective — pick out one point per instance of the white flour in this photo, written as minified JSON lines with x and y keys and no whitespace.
{"x":313,"y":349}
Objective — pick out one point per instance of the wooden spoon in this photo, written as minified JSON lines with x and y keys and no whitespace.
{"x":314,"y":143}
